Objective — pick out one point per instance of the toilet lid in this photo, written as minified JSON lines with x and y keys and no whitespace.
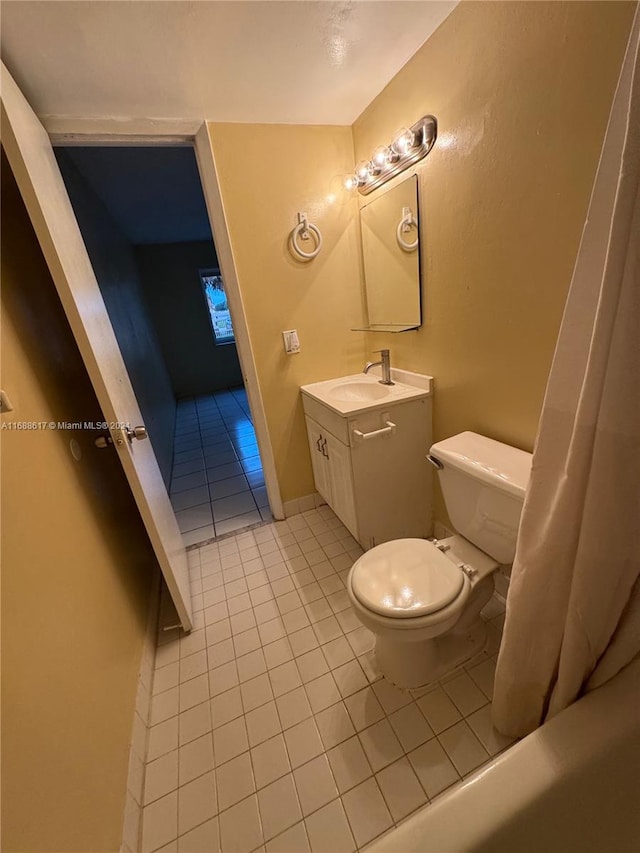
{"x":405,"y":578}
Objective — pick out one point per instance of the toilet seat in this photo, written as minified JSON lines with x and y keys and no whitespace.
{"x":406,"y":578}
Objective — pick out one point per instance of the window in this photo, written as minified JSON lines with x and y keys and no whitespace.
{"x":218,"y":308}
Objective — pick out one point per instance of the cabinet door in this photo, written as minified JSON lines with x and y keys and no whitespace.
{"x":341,"y":483}
{"x":319,"y":461}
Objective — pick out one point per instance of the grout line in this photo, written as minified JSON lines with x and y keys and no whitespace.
{"x":275,"y":540}
{"x":200,"y":419}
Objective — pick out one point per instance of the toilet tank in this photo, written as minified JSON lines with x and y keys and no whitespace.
{"x":484,"y":483}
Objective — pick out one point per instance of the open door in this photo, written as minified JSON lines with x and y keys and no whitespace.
{"x":36,"y":171}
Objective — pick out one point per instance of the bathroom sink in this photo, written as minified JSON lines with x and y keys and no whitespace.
{"x":351,"y":395}
{"x":360,"y":392}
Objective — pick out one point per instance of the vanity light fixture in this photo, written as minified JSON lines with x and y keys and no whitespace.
{"x":409,"y":145}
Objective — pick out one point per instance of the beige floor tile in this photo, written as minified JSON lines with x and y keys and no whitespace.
{"x":234,"y":781}
{"x":349,"y":678}
{"x":293,"y":707}
{"x":315,"y":784}
{"x":439,"y":710}
{"x":284,"y":678}
{"x":162,"y":738}
{"x":220,"y":653}
{"x":334,"y":725}
{"x":337,"y":652}
{"x":166,"y":677}
{"x":312,"y":665}
{"x":274,"y":707}
{"x":483,"y":674}
{"x":322,"y":692}
{"x":240,"y":828}
{"x":303,"y":742}
{"x":161,"y":777}
{"x":272,"y":631}
{"x":230,"y":740}
{"x":380,"y":744}
{"x":465,"y":694}
{"x":463,"y":748}
{"x":410,"y":727}
{"x":433,"y":768}
{"x":195,"y":758}
{"x":205,"y":837}
{"x":294,"y":840}
{"x":328,"y":830}
{"x":196,"y":802}
{"x":164,"y":706}
{"x":349,"y":764}
{"x":390,"y":697}
{"x":401,"y":789}
{"x":194,"y":723}
{"x":251,"y":665}
{"x":226,"y":707}
{"x":303,"y":641}
{"x":160,"y":822}
{"x":193,"y":665}
{"x":364,"y":708}
{"x":246,"y":642}
{"x":492,"y":740}
{"x":270,"y":761}
{"x":223,"y":678}
{"x":367,"y":812}
{"x":328,"y":628}
{"x":277,"y":653}
{"x":256,"y":692}
{"x":262,"y":723}
{"x":279,"y":806}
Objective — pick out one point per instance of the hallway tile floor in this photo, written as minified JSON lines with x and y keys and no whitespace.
{"x":271,"y":727}
{"x":217,"y":485}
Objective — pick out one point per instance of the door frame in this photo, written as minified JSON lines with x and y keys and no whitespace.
{"x":106,"y":132}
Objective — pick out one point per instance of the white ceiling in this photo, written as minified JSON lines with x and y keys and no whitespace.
{"x":301,"y":61}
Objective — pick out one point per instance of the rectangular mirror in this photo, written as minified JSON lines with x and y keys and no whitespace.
{"x":391,"y":253}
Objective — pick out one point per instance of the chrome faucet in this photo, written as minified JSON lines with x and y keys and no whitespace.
{"x":385,"y":364}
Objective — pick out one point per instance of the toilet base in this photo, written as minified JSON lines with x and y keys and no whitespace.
{"x":412,"y":665}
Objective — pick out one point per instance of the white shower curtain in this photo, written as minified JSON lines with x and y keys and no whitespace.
{"x":573,"y":609}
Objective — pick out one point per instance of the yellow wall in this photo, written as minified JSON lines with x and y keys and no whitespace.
{"x":267,"y":174}
{"x":522,"y":93}
{"x":75,"y":580}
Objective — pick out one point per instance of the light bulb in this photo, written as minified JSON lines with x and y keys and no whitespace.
{"x":380,"y":158}
{"x":362,"y":171}
{"x":350,"y":182}
{"x":403,"y":141}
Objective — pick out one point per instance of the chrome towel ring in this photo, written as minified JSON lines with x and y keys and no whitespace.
{"x":404,"y":226}
{"x":303,"y":231}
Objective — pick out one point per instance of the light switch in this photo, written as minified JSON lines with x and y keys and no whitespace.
{"x":291,"y":341}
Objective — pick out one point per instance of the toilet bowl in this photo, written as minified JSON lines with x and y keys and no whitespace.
{"x":422,"y":599}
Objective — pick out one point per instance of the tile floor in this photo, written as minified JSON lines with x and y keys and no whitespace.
{"x":272,"y":729}
{"x":217,"y":485}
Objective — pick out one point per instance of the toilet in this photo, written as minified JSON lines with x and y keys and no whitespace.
{"x":422,"y":599}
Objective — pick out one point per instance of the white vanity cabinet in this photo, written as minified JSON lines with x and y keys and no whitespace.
{"x":331,"y":461}
{"x":368,"y":458}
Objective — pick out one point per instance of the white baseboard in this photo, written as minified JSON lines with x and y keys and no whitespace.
{"x":140,"y":729}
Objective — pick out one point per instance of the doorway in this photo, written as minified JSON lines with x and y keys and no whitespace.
{"x":144,"y":221}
